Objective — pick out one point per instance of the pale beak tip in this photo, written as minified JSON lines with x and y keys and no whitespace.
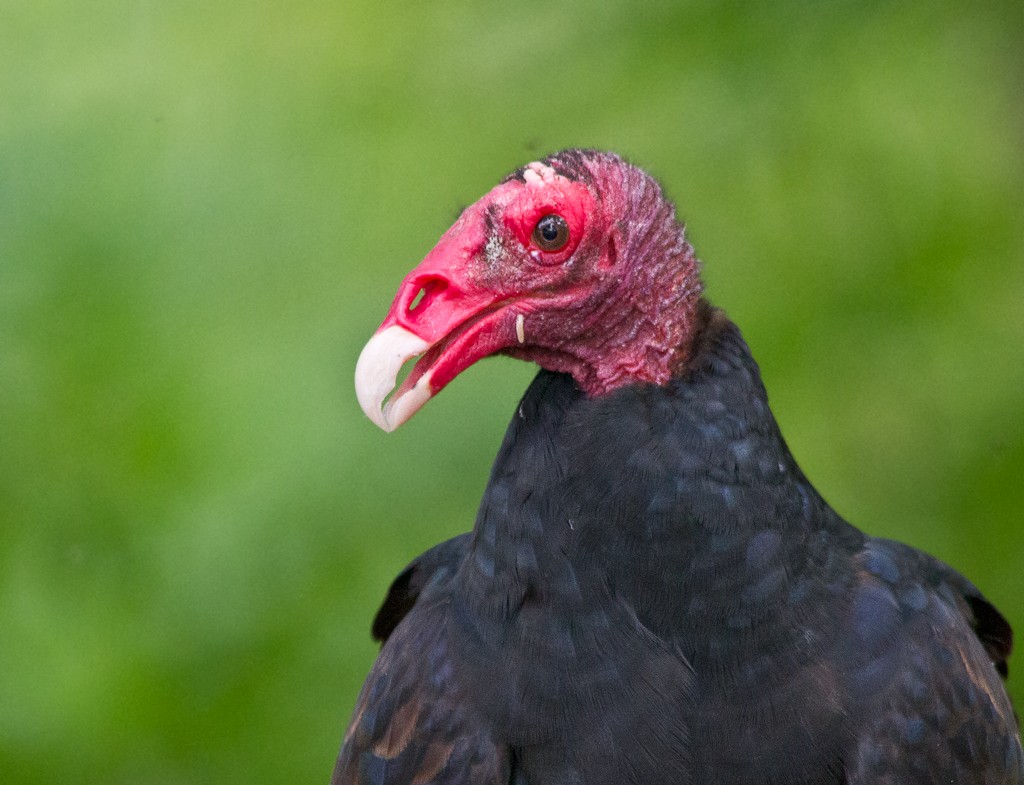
{"x":377,"y":370}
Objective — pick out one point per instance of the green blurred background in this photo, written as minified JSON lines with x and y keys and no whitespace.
{"x":205,"y":209}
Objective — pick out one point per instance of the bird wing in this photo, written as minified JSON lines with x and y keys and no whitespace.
{"x":410,"y":723}
{"x":925,"y":652}
{"x":427,"y":573}
{"x":413,"y":722}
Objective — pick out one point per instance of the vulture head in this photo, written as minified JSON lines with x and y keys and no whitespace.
{"x":575,"y":262}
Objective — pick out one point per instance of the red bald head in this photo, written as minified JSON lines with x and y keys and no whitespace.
{"x":575,"y":262}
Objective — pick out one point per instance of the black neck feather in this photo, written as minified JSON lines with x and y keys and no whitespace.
{"x":681,"y":499}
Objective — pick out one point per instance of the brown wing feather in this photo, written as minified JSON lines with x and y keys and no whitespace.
{"x":412,"y":722}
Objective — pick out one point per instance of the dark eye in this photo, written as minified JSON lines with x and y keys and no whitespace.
{"x":551,"y":233}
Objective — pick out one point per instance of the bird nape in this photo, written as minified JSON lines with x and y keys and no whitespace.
{"x":653,"y":592}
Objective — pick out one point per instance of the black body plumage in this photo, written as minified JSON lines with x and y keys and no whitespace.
{"x":654,"y":593}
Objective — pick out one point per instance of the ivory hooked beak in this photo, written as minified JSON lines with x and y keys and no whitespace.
{"x":377,"y":371}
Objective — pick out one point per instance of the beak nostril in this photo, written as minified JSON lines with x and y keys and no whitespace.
{"x":426,"y":291}
{"x":417,"y":300}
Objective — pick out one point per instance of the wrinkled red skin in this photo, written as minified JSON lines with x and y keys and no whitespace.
{"x":612,"y":307}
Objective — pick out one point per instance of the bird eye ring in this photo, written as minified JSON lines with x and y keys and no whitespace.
{"x":551,"y":233}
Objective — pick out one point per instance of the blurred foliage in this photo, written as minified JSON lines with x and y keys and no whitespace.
{"x":205,"y":209}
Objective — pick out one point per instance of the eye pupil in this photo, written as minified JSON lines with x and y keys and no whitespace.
{"x":551,"y":233}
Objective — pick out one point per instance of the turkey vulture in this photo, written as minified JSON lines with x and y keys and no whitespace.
{"x":653,"y":592}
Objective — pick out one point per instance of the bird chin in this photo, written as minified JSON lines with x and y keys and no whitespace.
{"x":377,"y":372}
